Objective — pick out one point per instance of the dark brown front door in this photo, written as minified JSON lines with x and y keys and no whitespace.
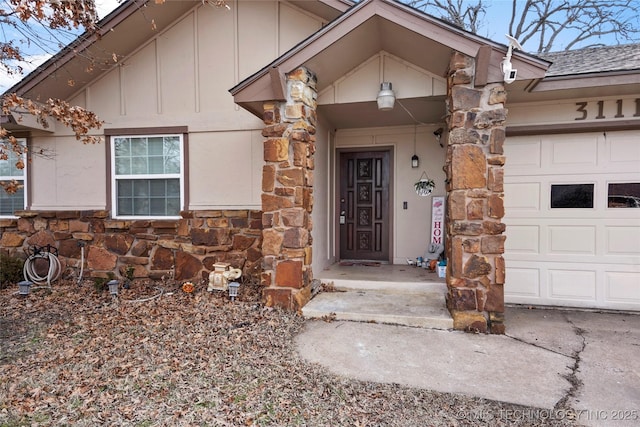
{"x":364,"y":205}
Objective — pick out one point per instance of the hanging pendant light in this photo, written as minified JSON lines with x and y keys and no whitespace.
{"x":386,"y":98}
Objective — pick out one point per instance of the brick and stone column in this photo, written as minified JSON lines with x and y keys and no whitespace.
{"x":474,"y":168}
{"x":287,"y":192}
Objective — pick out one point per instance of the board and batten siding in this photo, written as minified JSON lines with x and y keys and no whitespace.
{"x":181,"y":77}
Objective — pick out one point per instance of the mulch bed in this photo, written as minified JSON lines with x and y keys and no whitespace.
{"x":76,"y":356}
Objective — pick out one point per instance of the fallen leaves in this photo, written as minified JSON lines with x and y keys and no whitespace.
{"x":75,"y":356}
{"x":331,"y":317}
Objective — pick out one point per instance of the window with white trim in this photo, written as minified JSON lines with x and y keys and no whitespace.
{"x":148,"y":177}
{"x":12,"y":202}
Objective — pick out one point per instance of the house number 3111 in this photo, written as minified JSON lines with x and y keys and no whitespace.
{"x":582,"y":108}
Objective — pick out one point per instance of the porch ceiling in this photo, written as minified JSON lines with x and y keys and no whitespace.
{"x":429,"y":110}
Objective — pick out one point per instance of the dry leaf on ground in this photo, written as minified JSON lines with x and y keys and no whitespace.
{"x":75,"y":356}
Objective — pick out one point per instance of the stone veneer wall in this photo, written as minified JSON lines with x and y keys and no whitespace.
{"x":475,"y":207}
{"x":184,"y":249}
{"x":287,"y":193}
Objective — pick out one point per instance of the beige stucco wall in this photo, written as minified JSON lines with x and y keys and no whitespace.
{"x":67,"y":174}
{"x":323,"y":217}
{"x":180,"y":78}
{"x":225,"y":169}
{"x":412,"y":226}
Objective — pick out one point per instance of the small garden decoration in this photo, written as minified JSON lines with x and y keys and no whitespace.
{"x":188,"y":287}
{"x":424,"y":186}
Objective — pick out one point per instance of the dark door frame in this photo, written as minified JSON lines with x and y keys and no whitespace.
{"x":382,"y":148}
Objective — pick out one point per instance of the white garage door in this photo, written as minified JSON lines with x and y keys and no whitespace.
{"x":573,"y":233}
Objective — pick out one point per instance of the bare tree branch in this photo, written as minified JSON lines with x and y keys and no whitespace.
{"x":457,"y":12}
{"x":45,"y":26}
{"x":549,"y":24}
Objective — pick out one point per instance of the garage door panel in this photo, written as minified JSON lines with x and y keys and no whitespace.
{"x":523,"y":239}
{"x":572,"y":240}
{"x":623,"y":287}
{"x":623,"y":148}
{"x":623,"y":240}
{"x":572,"y":284}
{"x":523,"y":196}
{"x":569,"y":284}
{"x":523,"y":282}
{"x":526,"y":154}
{"x":582,"y":151}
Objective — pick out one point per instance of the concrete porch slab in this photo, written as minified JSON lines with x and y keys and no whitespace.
{"x":390,"y":294}
{"x":424,"y":309}
{"x":368,"y":275}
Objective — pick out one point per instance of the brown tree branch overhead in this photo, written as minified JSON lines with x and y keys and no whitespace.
{"x":20,"y":22}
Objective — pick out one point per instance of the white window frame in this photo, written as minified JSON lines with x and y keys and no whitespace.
{"x":23,"y":177}
{"x":115,"y":177}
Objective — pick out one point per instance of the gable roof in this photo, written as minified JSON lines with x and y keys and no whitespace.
{"x":372,"y":26}
{"x":134,"y":27}
{"x":361,"y":29}
{"x":119,"y":34}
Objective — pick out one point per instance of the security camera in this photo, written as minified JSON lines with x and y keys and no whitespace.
{"x":507,"y":70}
{"x":510,"y":76}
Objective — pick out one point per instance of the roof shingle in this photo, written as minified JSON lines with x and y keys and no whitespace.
{"x":593,"y":60}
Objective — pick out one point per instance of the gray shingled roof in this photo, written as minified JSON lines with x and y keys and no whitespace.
{"x":593,"y":60}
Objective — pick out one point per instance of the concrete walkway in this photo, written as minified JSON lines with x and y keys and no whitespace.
{"x":548,"y":359}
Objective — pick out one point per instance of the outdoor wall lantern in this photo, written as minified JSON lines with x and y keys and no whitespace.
{"x":386,"y":98}
{"x":24,"y":287}
{"x":113,"y":287}
{"x":233,"y":290}
{"x":415,"y":161}
{"x":438,"y":134}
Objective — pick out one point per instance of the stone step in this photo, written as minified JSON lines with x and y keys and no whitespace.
{"x":389,"y":285}
{"x":408,"y":304}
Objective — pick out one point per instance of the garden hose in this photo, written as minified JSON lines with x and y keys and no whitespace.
{"x":53,"y":272}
